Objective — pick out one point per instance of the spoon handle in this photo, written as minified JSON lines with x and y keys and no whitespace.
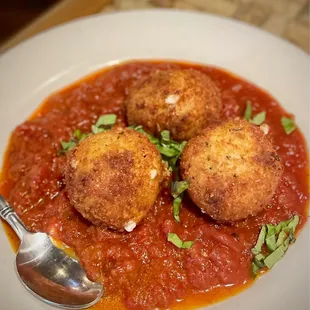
{"x":9,"y":215}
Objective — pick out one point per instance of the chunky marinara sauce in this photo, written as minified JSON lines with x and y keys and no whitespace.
{"x":141,"y":269}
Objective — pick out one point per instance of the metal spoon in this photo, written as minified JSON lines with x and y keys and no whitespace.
{"x":46,"y":271}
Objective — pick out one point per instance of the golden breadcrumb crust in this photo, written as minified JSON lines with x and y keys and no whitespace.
{"x":181,"y":101}
{"x":233,"y":170}
{"x":113,"y":178}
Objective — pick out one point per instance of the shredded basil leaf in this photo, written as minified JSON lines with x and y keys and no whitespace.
{"x":187,"y":244}
{"x":165,"y":136}
{"x":174,"y":239}
{"x":248,"y":111}
{"x":178,"y":187}
{"x":288,"y":125}
{"x":255,"y":270}
{"x":259,"y":118}
{"x":95,"y":129}
{"x":176,"y":207}
{"x":281,"y":238}
{"x":258,"y":260}
{"x":170,"y":150}
{"x":177,"y":190}
{"x":67,"y":145}
{"x":104,"y":123}
{"x":270,"y":238}
{"x":106,"y":120}
{"x":293,"y":223}
{"x":260,"y":241}
{"x":277,"y":239}
{"x":80,"y":136}
{"x":275,"y":256}
{"x":72,"y":143}
{"x":167,"y":151}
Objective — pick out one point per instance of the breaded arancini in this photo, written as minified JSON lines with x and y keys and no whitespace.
{"x":233,"y":170}
{"x":181,"y":101}
{"x":113,"y":178}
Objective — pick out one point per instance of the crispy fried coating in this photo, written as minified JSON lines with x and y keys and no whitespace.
{"x":233,"y":170}
{"x":113,"y":178}
{"x":181,"y":101}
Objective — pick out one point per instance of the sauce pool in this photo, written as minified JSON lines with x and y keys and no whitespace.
{"x":141,"y":270}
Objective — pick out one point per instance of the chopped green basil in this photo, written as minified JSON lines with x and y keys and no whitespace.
{"x":169,"y":149}
{"x":165,"y":136}
{"x":176,"y":207}
{"x":270,"y":238}
{"x":277,"y":239}
{"x":107,"y":121}
{"x":281,"y":238}
{"x":187,"y":244}
{"x":104,"y":122}
{"x":288,"y":125}
{"x":260,"y":241}
{"x":248,"y":111}
{"x":174,"y":239}
{"x":80,"y":136}
{"x":293,"y":223}
{"x":255,"y":269}
{"x":275,"y":256}
{"x":67,"y":145}
{"x":258,"y":260}
{"x":178,"y":187}
{"x":259,"y":118}
{"x":72,"y":143}
{"x":95,"y":129}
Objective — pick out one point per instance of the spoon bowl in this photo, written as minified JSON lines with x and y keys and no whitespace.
{"x":48,"y":272}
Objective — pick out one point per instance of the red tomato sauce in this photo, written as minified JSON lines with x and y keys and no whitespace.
{"x":142,"y":270}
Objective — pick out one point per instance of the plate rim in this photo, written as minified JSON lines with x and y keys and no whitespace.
{"x":99,"y":16}
{"x":153,"y":10}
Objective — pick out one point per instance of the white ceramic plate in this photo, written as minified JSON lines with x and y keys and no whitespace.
{"x":53,"y":59}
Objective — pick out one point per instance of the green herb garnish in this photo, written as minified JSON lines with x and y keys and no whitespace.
{"x":104,"y":123}
{"x":170,"y":150}
{"x":270,"y":238}
{"x":176,"y":207}
{"x":174,"y":239}
{"x":259,"y":118}
{"x":255,"y":269}
{"x":260,"y":241}
{"x":248,"y":111}
{"x":275,"y":256}
{"x":67,"y":146}
{"x":80,"y":136}
{"x":293,"y":223}
{"x":178,"y":188}
{"x":276,"y":239}
{"x":288,"y":125}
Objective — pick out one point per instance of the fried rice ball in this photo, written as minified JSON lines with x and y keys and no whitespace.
{"x":233,"y":170}
{"x":113,"y":178}
{"x":181,"y":101}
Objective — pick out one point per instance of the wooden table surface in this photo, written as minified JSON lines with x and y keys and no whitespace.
{"x":285,"y":18}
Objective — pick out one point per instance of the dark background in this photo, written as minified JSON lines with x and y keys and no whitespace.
{"x":14,"y":14}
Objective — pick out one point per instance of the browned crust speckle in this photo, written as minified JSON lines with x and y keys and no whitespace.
{"x":233,"y":170}
{"x":108,"y":177}
{"x":199,"y":102}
